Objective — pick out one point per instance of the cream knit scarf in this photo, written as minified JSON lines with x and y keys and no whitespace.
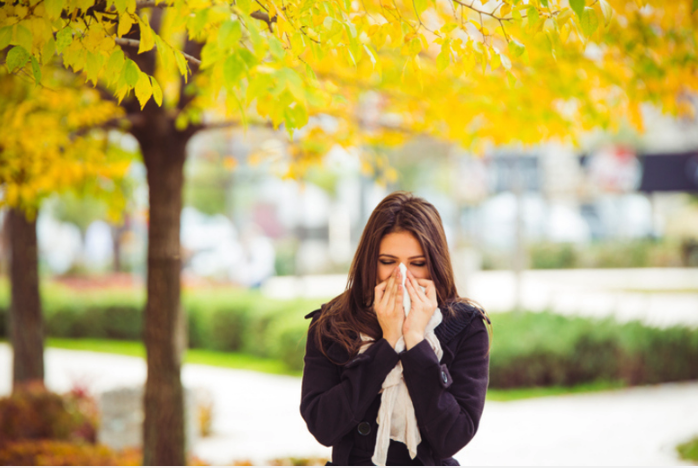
{"x":396,"y":418}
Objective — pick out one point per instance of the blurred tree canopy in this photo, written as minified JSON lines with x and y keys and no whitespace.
{"x":498,"y":71}
{"x":52,"y":140}
{"x":48,"y":144}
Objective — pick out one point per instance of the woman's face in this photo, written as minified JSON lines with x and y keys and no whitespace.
{"x":401,"y":247}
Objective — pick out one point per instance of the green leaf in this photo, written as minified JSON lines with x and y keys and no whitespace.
{"x":289,"y":79}
{"x":516,"y":48}
{"x":532,"y":16}
{"x":276,"y":48}
{"x":53,"y":8}
{"x":578,"y":7}
{"x":16,"y":58}
{"x":229,"y":34}
{"x":544,"y":3}
{"x":5,"y":36}
{"x":23,"y":37}
{"x":48,"y":51}
{"x":36,"y":69}
{"x":157,"y":91}
{"x":164,"y":52}
{"x":414,"y":47}
{"x":93,"y":66}
{"x":695,"y":6}
{"x":444,"y":57}
{"x":590,"y":21}
{"x":131,"y":73}
{"x":181,"y":64}
{"x":198,"y":22}
{"x":295,"y":116}
{"x":247,"y":57}
{"x":420,"y":5}
{"x":245,"y":6}
{"x":114,"y":65}
{"x":63,"y":39}
{"x":120,"y":6}
{"x":233,"y":68}
{"x":143,"y":89}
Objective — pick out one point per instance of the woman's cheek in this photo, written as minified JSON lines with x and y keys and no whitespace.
{"x":383,"y":274}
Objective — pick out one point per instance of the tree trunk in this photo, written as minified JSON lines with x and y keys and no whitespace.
{"x":163,"y":149}
{"x":25,"y":323}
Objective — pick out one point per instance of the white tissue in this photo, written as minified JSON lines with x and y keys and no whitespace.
{"x":406,"y":301}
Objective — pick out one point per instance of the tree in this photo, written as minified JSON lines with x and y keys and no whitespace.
{"x":478,"y":73}
{"x":46,"y":146}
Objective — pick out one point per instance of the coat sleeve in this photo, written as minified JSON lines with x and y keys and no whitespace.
{"x":334,"y":399}
{"x":448,"y":402}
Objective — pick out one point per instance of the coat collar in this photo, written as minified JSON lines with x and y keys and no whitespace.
{"x":453,"y":325}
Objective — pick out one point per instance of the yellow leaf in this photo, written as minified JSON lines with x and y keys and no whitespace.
{"x":147,"y":41}
{"x":157,"y":92}
{"x":125,"y":23}
{"x":143,"y":89}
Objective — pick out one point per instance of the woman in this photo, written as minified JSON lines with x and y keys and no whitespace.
{"x":362,"y":349}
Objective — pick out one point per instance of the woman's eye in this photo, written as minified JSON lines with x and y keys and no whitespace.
{"x":386,"y":262}
{"x":419,"y":264}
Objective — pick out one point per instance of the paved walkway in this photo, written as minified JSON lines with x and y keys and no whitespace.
{"x":256,"y":416}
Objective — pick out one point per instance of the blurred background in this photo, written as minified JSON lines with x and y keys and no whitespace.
{"x":586,"y":260}
{"x":557,"y":138}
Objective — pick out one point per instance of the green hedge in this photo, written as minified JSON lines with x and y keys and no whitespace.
{"x":545,"y":349}
{"x":528,"y":349}
{"x":217,"y":319}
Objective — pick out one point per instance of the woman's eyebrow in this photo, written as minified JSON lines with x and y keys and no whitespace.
{"x":393,"y":256}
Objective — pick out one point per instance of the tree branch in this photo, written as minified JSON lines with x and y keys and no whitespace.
{"x":482,"y":12}
{"x":136,"y":43}
{"x":150,"y":4}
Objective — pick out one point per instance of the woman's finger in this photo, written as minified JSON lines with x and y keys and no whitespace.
{"x":411,"y":290}
{"x":430,"y":289}
{"x":391,"y":291}
{"x":418,"y":291}
{"x":379,"y":290}
{"x":388,"y":287}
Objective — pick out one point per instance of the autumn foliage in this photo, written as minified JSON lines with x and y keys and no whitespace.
{"x":484,"y":71}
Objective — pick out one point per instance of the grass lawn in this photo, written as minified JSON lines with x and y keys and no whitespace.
{"x":496,"y":394}
{"x":689,"y":450}
{"x":271,"y":366}
{"x":193,"y":356}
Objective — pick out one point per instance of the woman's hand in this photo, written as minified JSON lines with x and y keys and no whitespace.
{"x":424,"y":305}
{"x":387,"y":304}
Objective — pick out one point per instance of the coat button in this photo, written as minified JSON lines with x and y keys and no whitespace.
{"x":364,"y":428}
{"x":444,"y":377}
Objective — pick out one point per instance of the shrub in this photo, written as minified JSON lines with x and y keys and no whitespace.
{"x":529,"y":349}
{"x":57,"y":452}
{"x":689,"y":450}
{"x":62,"y":453}
{"x":545,"y":349}
{"x":32,"y":412}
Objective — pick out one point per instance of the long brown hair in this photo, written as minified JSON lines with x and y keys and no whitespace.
{"x":351,"y":313}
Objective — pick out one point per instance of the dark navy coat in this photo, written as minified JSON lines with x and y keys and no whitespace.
{"x":340,"y":403}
